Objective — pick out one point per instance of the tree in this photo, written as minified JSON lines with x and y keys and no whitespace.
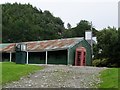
{"x":69,"y":26}
{"x":27,"y":23}
{"x":108,"y":43}
{"x":79,"y":30}
{"x":82,"y":26}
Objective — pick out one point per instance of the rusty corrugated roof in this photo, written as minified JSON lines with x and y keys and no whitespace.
{"x":47,"y":45}
{"x":8,"y":47}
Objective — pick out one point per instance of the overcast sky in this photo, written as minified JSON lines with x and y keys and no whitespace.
{"x":102,"y":13}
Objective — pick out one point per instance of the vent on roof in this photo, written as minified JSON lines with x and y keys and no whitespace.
{"x":88,"y":35}
{"x":21,"y":47}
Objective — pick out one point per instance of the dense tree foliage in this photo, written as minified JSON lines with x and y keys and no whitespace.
{"x":69,"y":26}
{"x":79,"y":30}
{"x":109,"y":44}
{"x":23,"y":22}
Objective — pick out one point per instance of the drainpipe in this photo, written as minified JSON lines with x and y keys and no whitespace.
{"x":10,"y":56}
{"x":46,"y":57}
{"x":27,"y":58}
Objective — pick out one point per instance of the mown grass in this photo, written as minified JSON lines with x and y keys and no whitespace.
{"x":12,"y":72}
{"x":110,"y":78}
{"x":0,"y":73}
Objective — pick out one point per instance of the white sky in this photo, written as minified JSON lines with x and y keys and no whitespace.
{"x":102,"y":13}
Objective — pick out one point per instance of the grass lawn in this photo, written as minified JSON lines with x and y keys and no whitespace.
{"x":0,"y":73}
{"x":109,"y":78}
{"x":12,"y":71}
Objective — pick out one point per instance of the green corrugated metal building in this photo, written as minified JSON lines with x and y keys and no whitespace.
{"x":60,"y":51}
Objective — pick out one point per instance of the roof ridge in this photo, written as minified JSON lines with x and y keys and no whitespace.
{"x":55,"y":39}
{"x":47,"y":40}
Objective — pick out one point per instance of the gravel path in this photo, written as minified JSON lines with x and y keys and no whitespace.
{"x":55,"y":76}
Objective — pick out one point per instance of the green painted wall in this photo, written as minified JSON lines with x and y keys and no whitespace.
{"x":60,"y":56}
{"x":57,"y":57}
{"x":20,"y":58}
{"x":72,"y":50}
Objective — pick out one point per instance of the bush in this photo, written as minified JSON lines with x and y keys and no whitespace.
{"x":96,"y":62}
{"x":100,"y":62}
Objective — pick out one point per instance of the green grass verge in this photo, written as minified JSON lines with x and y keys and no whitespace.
{"x":0,"y":73}
{"x":109,"y":78}
{"x":12,"y":72}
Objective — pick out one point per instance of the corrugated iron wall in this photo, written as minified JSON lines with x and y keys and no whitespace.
{"x":59,"y":56}
{"x":88,"y":53}
{"x":72,"y":50}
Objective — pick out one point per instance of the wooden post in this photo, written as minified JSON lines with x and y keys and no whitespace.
{"x":10,"y":56}
{"x":27,"y":58}
{"x":46,"y":57}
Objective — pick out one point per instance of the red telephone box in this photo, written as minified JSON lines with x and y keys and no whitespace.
{"x":80,"y":59}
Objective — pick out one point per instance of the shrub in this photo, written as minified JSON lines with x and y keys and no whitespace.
{"x":100,"y":62}
{"x":96,"y":62}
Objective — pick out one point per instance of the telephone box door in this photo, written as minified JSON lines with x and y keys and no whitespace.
{"x":80,"y":59}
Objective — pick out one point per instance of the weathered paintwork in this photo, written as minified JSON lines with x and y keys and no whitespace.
{"x":60,"y":51}
{"x":47,"y":45}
